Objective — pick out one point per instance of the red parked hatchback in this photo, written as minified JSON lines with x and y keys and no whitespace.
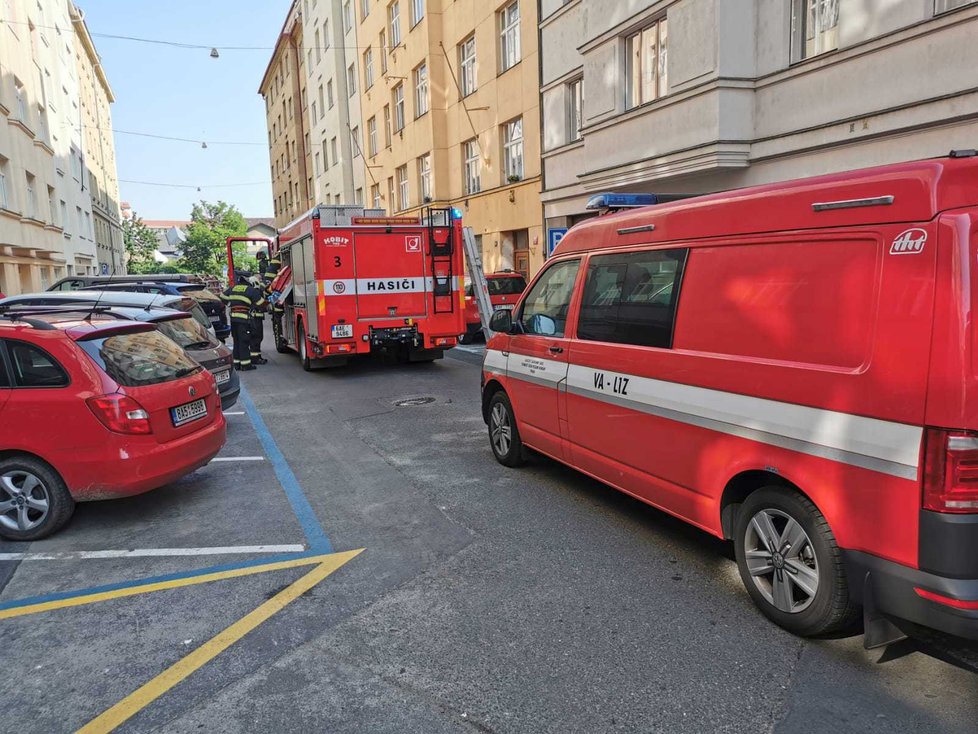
{"x":95,"y":409}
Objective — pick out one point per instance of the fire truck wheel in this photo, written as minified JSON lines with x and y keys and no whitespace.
{"x":790,"y":563}
{"x":465,"y":338}
{"x":304,"y":350}
{"x":504,"y":436}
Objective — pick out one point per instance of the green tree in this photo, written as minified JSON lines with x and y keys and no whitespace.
{"x":140,"y":243}
{"x":210,"y":226}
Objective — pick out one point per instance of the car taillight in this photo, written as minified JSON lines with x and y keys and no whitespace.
{"x":950,"y":471}
{"x":120,"y":413}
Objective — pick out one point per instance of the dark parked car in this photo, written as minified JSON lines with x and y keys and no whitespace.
{"x":211,"y":304}
{"x":83,"y":282}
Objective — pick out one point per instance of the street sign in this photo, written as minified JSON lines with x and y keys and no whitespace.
{"x":554,"y":236}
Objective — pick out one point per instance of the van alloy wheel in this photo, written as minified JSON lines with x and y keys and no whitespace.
{"x":781,"y":560}
{"x":24,"y":500}
{"x":501,"y":430}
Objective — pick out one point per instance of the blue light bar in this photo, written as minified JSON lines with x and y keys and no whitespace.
{"x":621,"y":201}
{"x":456,"y":213}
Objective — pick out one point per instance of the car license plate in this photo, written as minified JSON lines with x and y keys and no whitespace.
{"x":342,"y":331}
{"x":188,"y":412}
{"x":216,"y":319}
{"x":505,"y":307}
{"x":221,"y":377}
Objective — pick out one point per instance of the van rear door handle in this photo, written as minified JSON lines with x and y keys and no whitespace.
{"x":556,"y":350}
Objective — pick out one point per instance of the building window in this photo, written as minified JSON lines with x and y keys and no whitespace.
{"x":368,"y":68}
{"x":64,"y":216}
{"x":351,"y":78}
{"x":382,"y":45}
{"x":390,"y":193}
{"x":513,"y":150}
{"x":20,"y":99}
{"x":333,"y":151}
{"x":470,"y":155}
{"x":387,"y":125}
{"x":509,"y":36}
{"x":467,"y":68}
{"x":375,"y":196}
{"x":364,"y":8}
{"x":394,"y":23}
{"x":4,"y":195}
{"x":575,"y":109}
{"x":319,"y":47}
{"x":417,"y":12}
{"x":31,"y":197}
{"x":421,"y":90}
{"x":403,"y":199}
{"x":372,"y":136}
{"x":347,"y":17}
{"x":358,"y":197}
{"x":942,"y":6}
{"x":318,"y":163}
{"x":424,"y":178}
{"x":325,"y":154}
{"x":322,"y":106}
{"x":355,"y":140}
{"x":399,"y":107}
{"x":329,"y":93}
{"x":645,"y":63}
{"x":52,"y":207}
{"x":326,"y":34}
{"x":814,"y":28}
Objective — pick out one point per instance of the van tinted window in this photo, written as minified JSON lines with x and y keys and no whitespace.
{"x":546,"y":306}
{"x":140,"y":358}
{"x":631,"y":298}
{"x":34,"y":367}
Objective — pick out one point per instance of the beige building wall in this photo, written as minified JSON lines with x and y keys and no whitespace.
{"x":333,"y":106}
{"x":748,"y":98}
{"x":46,"y":228}
{"x":505,"y":215}
{"x":95,"y":96}
{"x":284,"y":89}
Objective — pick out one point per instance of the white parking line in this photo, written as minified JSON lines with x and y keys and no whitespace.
{"x":234,"y":412}
{"x":152,"y":552}
{"x":238,"y":458}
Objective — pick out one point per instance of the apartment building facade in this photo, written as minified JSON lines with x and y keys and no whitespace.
{"x":333,"y":104}
{"x":284,"y":87}
{"x":450,"y":117}
{"x":95,"y":96}
{"x":706,"y":95}
{"x":46,"y":228}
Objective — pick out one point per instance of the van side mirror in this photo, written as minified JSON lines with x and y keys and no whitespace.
{"x":501,"y":321}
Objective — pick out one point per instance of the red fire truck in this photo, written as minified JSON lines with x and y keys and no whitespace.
{"x":362,"y":282}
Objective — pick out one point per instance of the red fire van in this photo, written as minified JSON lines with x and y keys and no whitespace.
{"x":793,"y":367}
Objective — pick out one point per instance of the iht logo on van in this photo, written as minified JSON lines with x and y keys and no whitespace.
{"x":910,"y":242}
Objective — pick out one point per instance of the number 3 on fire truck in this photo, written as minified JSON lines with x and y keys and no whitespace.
{"x":412,"y":244}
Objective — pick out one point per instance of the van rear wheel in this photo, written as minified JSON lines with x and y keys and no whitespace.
{"x":504,"y":436}
{"x":790,"y":563}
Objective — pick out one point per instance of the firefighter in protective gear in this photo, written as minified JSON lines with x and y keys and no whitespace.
{"x":258,"y":309}
{"x":269,"y":267}
{"x":242,"y":298}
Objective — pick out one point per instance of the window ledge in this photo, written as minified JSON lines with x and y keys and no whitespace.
{"x":4,"y":109}
{"x":509,"y":68}
{"x":43,"y":145}
{"x":17,"y":122}
{"x":573,"y":145}
{"x":32,"y":220}
{"x":9,"y":213}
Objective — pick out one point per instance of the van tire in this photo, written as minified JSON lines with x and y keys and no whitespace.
{"x":509,"y":452}
{"x":60,"y":504}
{"x":831,"y":608}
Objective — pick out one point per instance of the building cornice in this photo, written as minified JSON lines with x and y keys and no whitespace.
{"x":284,"y":35}
{"x":81,"y":29}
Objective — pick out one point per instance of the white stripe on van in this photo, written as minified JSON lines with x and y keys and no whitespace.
{"x":883,"y":446}
{"x":382,"y":286}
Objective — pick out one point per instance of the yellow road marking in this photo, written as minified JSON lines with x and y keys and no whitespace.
{"x":76,"y":601}
{"x":146,"y":694}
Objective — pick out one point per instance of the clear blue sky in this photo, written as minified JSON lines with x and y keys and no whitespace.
{"x":184,"y":93}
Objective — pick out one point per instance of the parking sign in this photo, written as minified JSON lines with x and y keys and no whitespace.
{"x":554,"y":236}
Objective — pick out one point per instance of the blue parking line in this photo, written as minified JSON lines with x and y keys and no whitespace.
{"x":58,"y":596}
{"x":315,"y":535}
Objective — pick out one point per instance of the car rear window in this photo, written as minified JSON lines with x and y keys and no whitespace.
{"x":140,"y":358}
{"x":200,"y":293}
{"x":510,"y":286}
{"x":187,"y":333}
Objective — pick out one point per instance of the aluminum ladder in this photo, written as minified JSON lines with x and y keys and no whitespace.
{"x":480,"y":288}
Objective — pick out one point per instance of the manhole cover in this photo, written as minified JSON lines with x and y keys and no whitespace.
{"x":411,"y":402}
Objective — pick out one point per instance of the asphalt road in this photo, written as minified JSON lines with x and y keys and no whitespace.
{"x":485,"y":600}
